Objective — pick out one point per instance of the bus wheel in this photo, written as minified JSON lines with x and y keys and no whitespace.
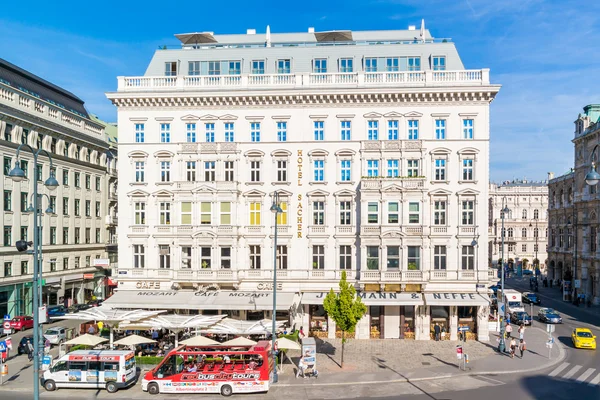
{"x":153,"y":388}
{"x":50,"y":385}
{"x":226,"y":390}
{"x":111,"y":387}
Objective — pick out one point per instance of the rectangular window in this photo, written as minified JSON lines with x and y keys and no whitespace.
{"x":140,"y":213}
{"x":97,"y":235}
{"x":186,"y":257}
{"x":414,"y":63}
{"x":205,"y":213}
{"x":229,"y":132}
{"x":98,"y":184}
{"x":77,"y":235}
{"x":373,"y":257}
{"x":370,"y":65}
{"x":164,"y":217}
{"x":24,"y":232}
{"x":524,"y":248}
{"x":225,"y":213}
{"x":439,"y":63}
{"x":88,"y":181}
{"x":65,"y":206}
{"x":77,"y":259}
{"x":258,"y":67}
{"x":414,"y":215}
{"x":373,"y":213}
{"x":319,"y":130}
{"x":468,"y":258}
{"x":372,"y":167}
{"x":140,"y":171}
{"x":413,"y":129}
{"x":77,"y":179}
{"x":7,"y":200}
{"x":440,"y":169}
{"x":393,"y":213}
{"x":392,"y":168}
{"x":393,"y":257}
{"x":214,"y":68}
{"x":194,"y":68}
{"x":65,"y":236}
{"x":320,"y":66}
{"x":281,"y":131}
{"x":440,"y":129}
{"x":24,"y":267}
{"x":467,"y":129}
{"x":413,"y":168}
{"x":255,"y":213}
{"x":467,"y":174}
{"x":88,"y":208}
{"x":255,"y":257}
{"x":164,"y":256}
{"x":345,"y":257}
{"x":210,"y":174}
{"x":414,"y":258}
{"x":346,"y":130}
{"x":254,"y":171}
{"x":392,"y":64}
{"x":345,"y":213}
{"x":8,"y":133}
{"x":7,"y":269}
{"x":282,"y":257}
{"x":7,"y":236}
{"x":229,"y":171}
{"x":25,"y":168}
{"x":281,"y":171}
{"x":65,"y":263}
{"x":439,"y":257}
{"x":226,"y":257}
{"x":24,"y":201}
{"x":7,"y":165}
{"x":165,"y":171}
{"x":346,"y":65}
{"x":190,"y":171}
{"x":346,"y":170}
{"x":65,"y":177}
{"x":77,"y":207}
{"x":171,"y":68}
{"x":255,"y":131}
{"x":439,"y":212}
{"x":468,"y":217}
{"x":38,"y":174}
{"x":318,"y":212}
{"x":283,"y":66}
{"x":282,"y":216}
{"x":319,"y":170}
{"x":318,"y":257}
{"x":186,"y":213}
{"x":373,"y":130}
{"x":393,"y":129}
{"x":190,"y":132}
{"x":138,"y":256}
{"x":165,"y":133}
{"x":235,"y":67}
{"x":88,"y":234}
{"x":209,"y":129}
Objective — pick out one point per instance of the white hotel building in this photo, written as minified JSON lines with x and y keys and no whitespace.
{"x":377,"y":144}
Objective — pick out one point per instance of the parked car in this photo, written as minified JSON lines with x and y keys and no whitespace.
{"x":583,"y":338}
{"x":56,"y":335}
{"x":531,"y":298}
{"x":78,"y":307}
{"x":56,"y":311}
{"x":22,"y":349}
{"x":520,"y":318}
{"x":548,"y":315}
{"x":21,"y":322}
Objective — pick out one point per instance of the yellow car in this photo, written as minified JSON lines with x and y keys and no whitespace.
{"x":583,"y":338}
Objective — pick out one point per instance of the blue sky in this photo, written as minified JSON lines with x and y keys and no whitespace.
{"x":544,"y":53}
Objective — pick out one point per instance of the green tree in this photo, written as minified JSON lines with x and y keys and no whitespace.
{"x":345,"y":308}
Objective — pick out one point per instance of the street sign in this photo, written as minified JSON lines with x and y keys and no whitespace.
{"x":577,"y":284}
{"x":6,"y":328}
{"x":7,"y":317}
{"x":550,"y":328}
{"x":501,"y":309}
{"x":43,"y":314}
{"x":459,"y":352}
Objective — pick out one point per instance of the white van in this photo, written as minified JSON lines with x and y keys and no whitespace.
{"x":96,"y":369}
{"x":513,"y":301}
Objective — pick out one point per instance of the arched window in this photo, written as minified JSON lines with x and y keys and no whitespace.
{"x":536,"y":214}
{"x":510,"y":232}
{"x":524,"y":232}
{"x":524,"y":214}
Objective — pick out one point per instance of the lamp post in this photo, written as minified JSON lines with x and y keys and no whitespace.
{"x":536,"y":234}
{"x":591,"y":179}
{"x":18,"y":175}
{"x":276,"y":210}
{"x":502,"y":344}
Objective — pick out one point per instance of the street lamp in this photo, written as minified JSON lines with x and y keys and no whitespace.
{"x":18,"y":175}
{"x":276,"y":210}
{"x":502,"y":344}
{"x":592,"y":178}
{"x":536,"y":234}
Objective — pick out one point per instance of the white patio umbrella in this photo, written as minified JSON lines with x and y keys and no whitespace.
{"x":239,"y":342}
{"x":133,"y":340}
{"x":285,"y":343}
{"x":200,"y":341}
{"x":87,"y":340}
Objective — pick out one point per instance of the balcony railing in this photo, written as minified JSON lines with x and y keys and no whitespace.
{"x":305,"y":81}
{"x":378,"y":183}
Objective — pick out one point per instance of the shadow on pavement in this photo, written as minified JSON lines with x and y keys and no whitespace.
{"x":15,"y":376}
{"x":326,"y":348}
{"x":566,"y":341}
{"x":545,"y":387}
{"x":381,"y":363}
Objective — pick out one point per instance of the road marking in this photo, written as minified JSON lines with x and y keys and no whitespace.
{"x":558,"y":369}
{"x":586,"y":375}
{"x":595,"y":381}
{"x":572,"y":372}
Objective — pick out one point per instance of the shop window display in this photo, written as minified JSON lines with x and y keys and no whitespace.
{"x":467,"y":317}
{"x":407,"y":321}
{"x":376,"y":328}
{"x":318,"y":321}
{"x":440,"y":315}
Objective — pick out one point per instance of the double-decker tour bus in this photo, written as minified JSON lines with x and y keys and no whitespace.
{"x":215,"y":369}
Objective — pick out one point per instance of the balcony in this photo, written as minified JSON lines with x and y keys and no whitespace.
{"x":111,"y":220}
{"x":378,"y":145}
{"x":217,"y":185}
{"x":379,"y":183}
{"x":145,"y":273}
{"x":139,"y":229}
{"x":317,"y":230}
{"x":295,"y":275}
{"x":370,"y":230}
{"x":391,"y":276}
{"x":345,"y":230}
{"x":438,"y":230}
{"x":254,"y":230}
{"x":304,"y":81}
{"x":208,"y":147}
{"x":413,"y":230}
{"x":206,"y":275}
{"x":466,"y":230}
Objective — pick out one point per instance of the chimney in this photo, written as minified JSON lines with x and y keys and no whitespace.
{"x":550,"y":175}
{"x":412,"y":28}
{"x":311,"y":29}
{"x":250,"y":31}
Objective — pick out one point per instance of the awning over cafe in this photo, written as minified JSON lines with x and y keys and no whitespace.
{"x":456,"y":299}
{"x":371,"y":298}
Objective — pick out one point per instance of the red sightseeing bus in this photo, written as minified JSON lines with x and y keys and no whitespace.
{"x":215,"y":369}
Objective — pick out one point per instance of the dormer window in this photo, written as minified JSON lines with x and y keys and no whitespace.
{"x":438,"y":63}
{"x":171,"y":68}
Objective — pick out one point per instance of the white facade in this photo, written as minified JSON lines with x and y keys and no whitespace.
{"x":360,"y":161}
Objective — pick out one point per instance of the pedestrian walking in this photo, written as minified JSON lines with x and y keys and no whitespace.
{"x":437,"y":330}
{"x":47,"y":346}
{"x":551,"y":280}
{"x":29,"y":350}
{"x":522,"y":347}
{"x":513,"y":347}
{"x":508,"y":330}
{"x":521,"y":332}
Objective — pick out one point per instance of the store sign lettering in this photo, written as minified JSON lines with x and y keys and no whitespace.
{"x":454,"y":296}
{"x":268,"y":286}
{"x":147,"y":285}
{"x":299,"y":216}
{"x":378,"y":295}
{"x":156,"y":293}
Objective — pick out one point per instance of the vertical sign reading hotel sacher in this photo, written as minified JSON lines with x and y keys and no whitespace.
{"x":299,"y":213}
